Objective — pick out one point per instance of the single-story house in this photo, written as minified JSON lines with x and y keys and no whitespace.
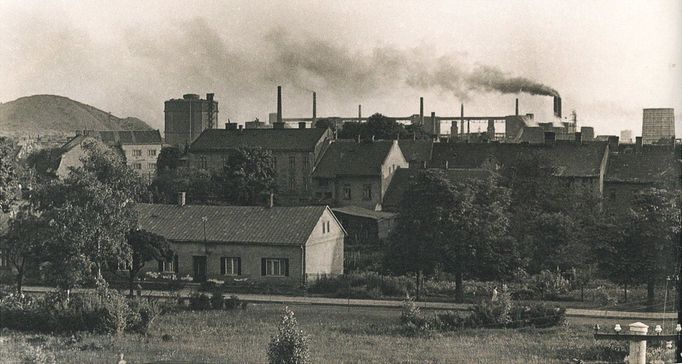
{"x":281,"y":245}
{"x":365,"y":227}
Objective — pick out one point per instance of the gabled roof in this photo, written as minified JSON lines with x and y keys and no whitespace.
{"x":569,"y":158}
{"x":416,"y":150}
{"x":350,"y":158}
{"x":650,"y":164}
{"x":404,"y":176}
{"x":232,"y":224}
{"x":362,"y":212}
{"x":127,"y":137}
{"x":271,"y":139}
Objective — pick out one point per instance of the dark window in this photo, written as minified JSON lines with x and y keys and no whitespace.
{"x":230,"y":266}
{"x":292,"y":183}
{"x":346,"y":192}
{"x":323,"y":182}
{"x":275,"y":267}
{"x":170,"y":265}
{"x":203,"y":163}
{"x":367,"y":192}
{"x":292,"y":162}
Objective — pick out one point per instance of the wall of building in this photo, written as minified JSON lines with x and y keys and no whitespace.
{"x":250,"y":255}
{"x":658,"y":124}
{"x":324,"y":249}
{"x":393,"y":161}
{"x":145,"y":163}
{"x":71,"y":158}
{"x":185,"y":119}
{"x":357,"y":186}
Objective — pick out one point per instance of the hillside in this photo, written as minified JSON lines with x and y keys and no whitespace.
{"x":51,"y":114}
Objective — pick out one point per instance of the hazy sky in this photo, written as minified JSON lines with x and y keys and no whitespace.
{"x":607,"y":59}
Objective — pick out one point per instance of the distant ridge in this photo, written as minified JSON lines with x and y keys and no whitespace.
{"x":52,"y":114}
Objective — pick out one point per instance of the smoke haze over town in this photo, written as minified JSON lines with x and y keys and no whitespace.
{"x":128,"y":58}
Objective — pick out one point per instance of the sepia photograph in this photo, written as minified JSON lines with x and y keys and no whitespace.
{"x":319,"y":181}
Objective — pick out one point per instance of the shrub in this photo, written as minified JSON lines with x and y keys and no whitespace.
{"x":199,"y":302}
{"x":217,"y":301}
{"x":551,"y":284}
{"x":492,"y":313}
{"x":603,"y":298}
{"x":142,"y":315}
{"x":448,"y":321}
{"x":537,"y":315}
{"x":113,"y":312}
{"x":411,"y":318}
{"x":290,"y":344}
{"x":233,"y":303}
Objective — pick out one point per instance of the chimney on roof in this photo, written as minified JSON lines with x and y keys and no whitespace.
{"x":241,"y":127}
{"x":314,"y":107}
{"x":613,"y":143}
{"x":209,"y":97}
{"x":578,"y":137}
{"x":557,"y":106}
{"x":421,"y":111}
{"x":301,"y":124}
{"x":517,"y":107}
{"x":638,"y":144}
{"x":279,"y":104}
{"x":181,"y":199}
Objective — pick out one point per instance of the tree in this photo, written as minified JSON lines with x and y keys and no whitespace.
{"x":168,"y":159}
{"x":8,"y":169}
{"x":458,"y":227}
{"x":377,"y":126}
{"x":325,"y":123}
{"x":248,"y":174}
{"x":290,"y":344}
{"x":23,"y":242}
{"x":201,"y":186}
{"x":145,"y":246}
{"x":88,"y":215}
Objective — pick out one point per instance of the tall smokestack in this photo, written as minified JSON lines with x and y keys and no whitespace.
{"x":461,"y":121}
{"x":314,"y":107}
{"x":359,"y":113}
{"x":433,"y":124}
{"x":279,"y":104}
{"x":421,"y":111}
{"x":517,"y":107}
{"x":557,"y":106}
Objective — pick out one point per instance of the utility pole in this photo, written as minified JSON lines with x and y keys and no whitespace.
{"x":678,"y":347}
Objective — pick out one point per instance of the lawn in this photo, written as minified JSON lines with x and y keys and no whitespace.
{"x":338,"y":334}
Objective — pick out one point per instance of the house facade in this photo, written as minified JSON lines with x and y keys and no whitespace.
{"x":287,"y":246}
{"x":352,"y":173}
{"x":295,"y":152}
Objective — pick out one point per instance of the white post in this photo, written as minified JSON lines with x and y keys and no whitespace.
{"x":637,"y":347}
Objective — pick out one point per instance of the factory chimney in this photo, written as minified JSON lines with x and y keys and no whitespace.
{"x":314,"y":107}
{"x":421,"y":111}
{"x":517,"y":107}
{"x":359,"y":113}
{"x":434,"y":128}
{"x":557,"y":106}
{"x":279,"y":104}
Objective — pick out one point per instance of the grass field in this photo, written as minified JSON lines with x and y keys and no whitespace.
{"x":338,"y":334}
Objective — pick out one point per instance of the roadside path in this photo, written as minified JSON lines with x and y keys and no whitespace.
{"x":265,"y":298}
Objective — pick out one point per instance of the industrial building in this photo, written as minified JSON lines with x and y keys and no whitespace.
{"x":658,"y":126}
{"x":186,"y":118}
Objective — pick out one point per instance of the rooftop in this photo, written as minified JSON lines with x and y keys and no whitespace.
{"x":231,"y":224}
{"x":650,"y":164}
{"x":351,"y":158}
{"x":272,"y":139}
{"x":362,"y":212}
{"x":416,"y":150}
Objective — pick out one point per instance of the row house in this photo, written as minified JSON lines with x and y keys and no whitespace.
{"x":295,"y":152}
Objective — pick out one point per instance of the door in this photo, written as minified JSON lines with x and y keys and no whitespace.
{"x":199,"y":268}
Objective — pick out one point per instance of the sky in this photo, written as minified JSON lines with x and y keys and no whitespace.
{"x":607,"y":59}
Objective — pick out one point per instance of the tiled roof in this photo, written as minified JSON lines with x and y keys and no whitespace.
{"x":362,"y":212}
{"x":350,"y":158}
{"x":570,"y":159}
{"x":403,"y":176}
{"x":416,"y":150}
{"x":125,"y":137}
{"x":231,"y":224}
{"x":651,"y":164}
{"x":272,"y":139}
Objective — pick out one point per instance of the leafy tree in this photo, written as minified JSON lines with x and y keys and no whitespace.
{"x":88,"y":215}
{"x":325,"y":123}
{"x":456,"y":226}
{"x":168,"y":159}
{"x":23,"y":242}
{"x":290,"y":345}
{"x":201,"y":186}
{"x":351,"y":130}
{"x":8,"y":169}
{"x":145,"y":246}
{"x":248,"y":174}
{"x":377,"y":126}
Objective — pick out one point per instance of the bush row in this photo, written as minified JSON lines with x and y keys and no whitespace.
{"x":201,"y":302}
{"x":103,"y":311}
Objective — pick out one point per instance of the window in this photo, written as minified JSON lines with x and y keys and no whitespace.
{"x":151,"y":152}
{"x":346,"y":192}
{"x":137,"y":165}
{"x":328,"y":227}
{"x":325,"y":227}
{"x":292,"y":183}
{"x":169,"y":265}
{"x":230,"y":266}
{"x":137,"y":152}
{"x":275,"y":267}
{"x":151,"y":165}
{"x":292,"y":162}
{"x":203,"y":163}
{"x":367,"y":192}
{"x":305,"y":164}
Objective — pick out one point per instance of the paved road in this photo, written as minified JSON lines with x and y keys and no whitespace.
{"x":262,"y":298}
